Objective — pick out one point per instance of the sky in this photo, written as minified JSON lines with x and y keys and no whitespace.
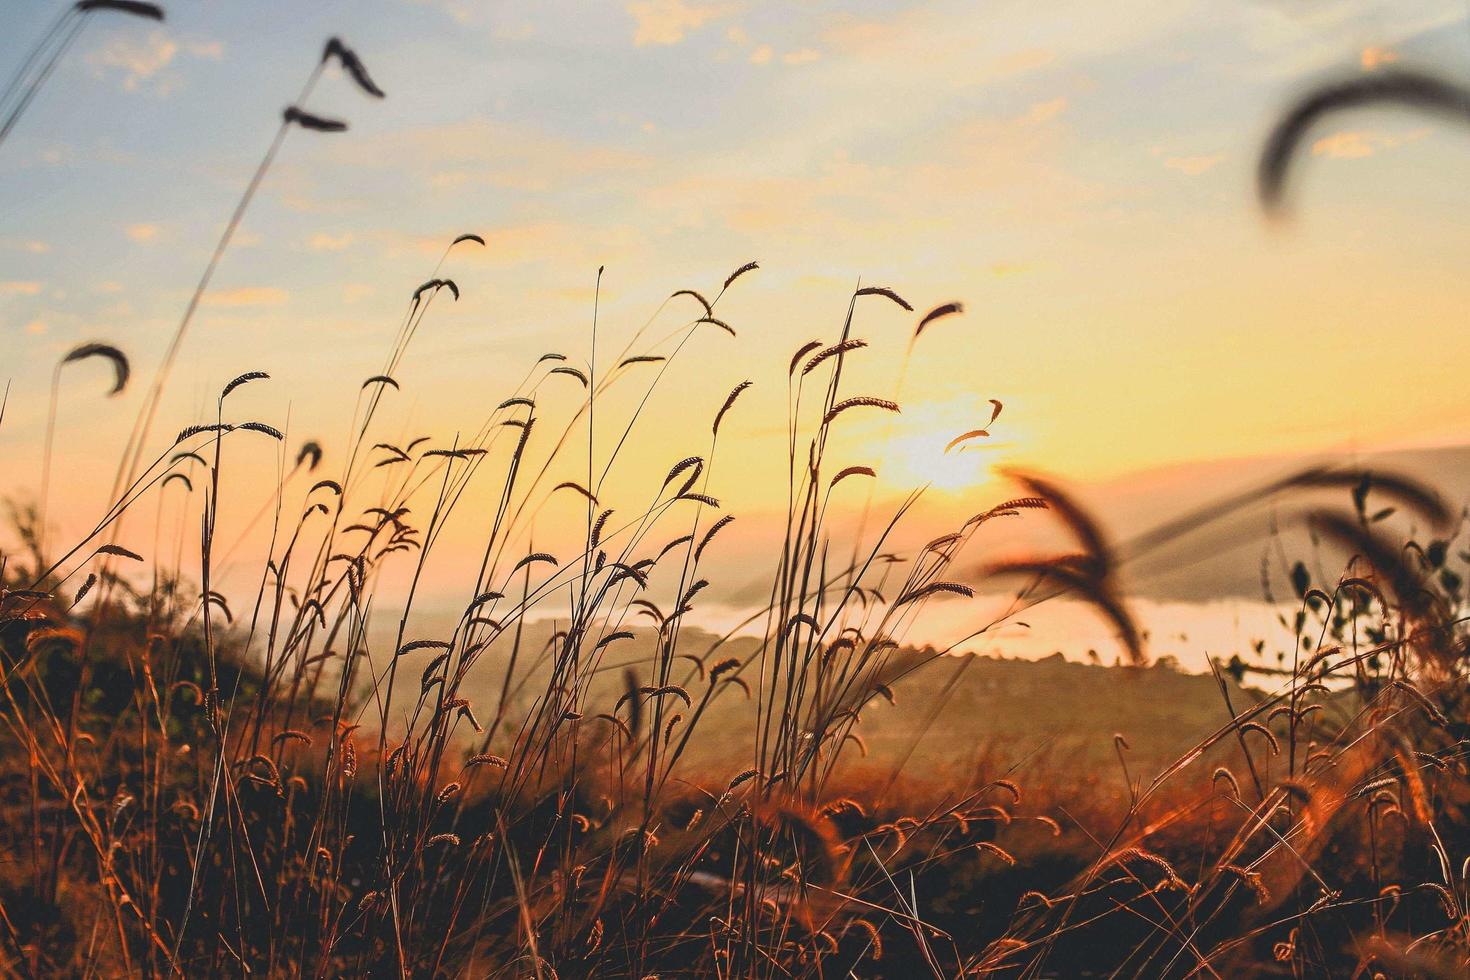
{"x":1078,"y":175}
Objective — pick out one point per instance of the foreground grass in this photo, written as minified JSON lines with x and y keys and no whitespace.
{"x":198,"y":783}
{"x":194,"y":790}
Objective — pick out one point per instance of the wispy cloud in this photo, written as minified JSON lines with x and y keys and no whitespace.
{"x":1193,"y":166}
{"x":137,"y":59}
{"x":322,"y":242}
{"x":1042,"y":112}
{"x":247,"y":296}
{"x":143,"y":61}
{"x":480,"y":152}
{"x":19,"y":288}
{"x":208,"y":50}
{"x":669,"y":21}
{"x":144,"y":232}
{"x":1375,"y":57}
{"x":1354,"y":144}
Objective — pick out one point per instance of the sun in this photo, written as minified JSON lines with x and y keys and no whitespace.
{"x":914,"y":452}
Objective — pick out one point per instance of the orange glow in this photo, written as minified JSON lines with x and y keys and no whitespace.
{"x":914,"y":454}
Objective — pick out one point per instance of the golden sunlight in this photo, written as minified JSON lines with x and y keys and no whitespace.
{"x":876,"y":489}
{"x":916,"y":448}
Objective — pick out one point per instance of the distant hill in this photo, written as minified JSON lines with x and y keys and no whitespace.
{"x":954,"y":720}
{"x":1225,"y":561}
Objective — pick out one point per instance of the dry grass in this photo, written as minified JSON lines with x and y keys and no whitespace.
{"x":201,"y":784}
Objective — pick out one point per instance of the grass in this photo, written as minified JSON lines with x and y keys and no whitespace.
{"x":198,"y":783}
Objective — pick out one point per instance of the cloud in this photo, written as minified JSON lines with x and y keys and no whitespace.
{"x":923,"y":42}
{"x":818,"y":196}
{"x":1373,"y":58}
{"x":1042,"y":112}
{"x":849,"y":35}
{"x":762,"y":55}
{"x":1355,"y":144}
{"x":479,"y":152}
{"x":143,"y":232}
{"x":15,"y":288}
{"x":1193,"y":166}
{"x":145,"y":61}
{"x":1027,"y":59}
{"x":355,"y":291}
{"x":561,"y":244}
{"x":528,"y":242}
{"x":138,"y":60}
{"x":213,"y":50}
{"x":247,"y":296}
{"x":804,"y":56}
{"x":522,"y":31}
{"x":1347,"y":145}
{"x":36,"y":327}
{"x":322,"y":242}
{"x":668,"y":21}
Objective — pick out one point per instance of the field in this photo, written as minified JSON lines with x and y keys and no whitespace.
{"x":575,"y":773}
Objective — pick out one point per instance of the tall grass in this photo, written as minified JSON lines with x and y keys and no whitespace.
{"x":200,"y":783}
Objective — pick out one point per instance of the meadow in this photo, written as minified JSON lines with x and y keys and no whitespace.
{"x":574,"y":778}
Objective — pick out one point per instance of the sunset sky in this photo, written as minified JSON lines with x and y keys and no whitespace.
{"x":1079,"y":175}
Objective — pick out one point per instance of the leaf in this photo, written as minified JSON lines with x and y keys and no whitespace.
{"x":718,"y":323}
{"x":414,"y":645}
{"x":886,"y":293}
{"x":953,"y":588}
{"x":570,"y":372}
{"x":535,"y":557}
{"x":120,"y":367}
{"x":729,"y":403}
{"x":708,"y":310}
{"x":1409,"y":89}
{"x":938,"y":313}
{"x":195,"y":430}
{"x":269,"y":430}
{"x":435,"y":285}
{"x":747,"y":267}
{"x":134,"y":8}
{"x":245,"y":378}
{"x":353,"y":65}
{"x":306,"y":120}
{"x":1301,"y":579}
{"x":312,"y":450}
{"x":965,"y":437}
{"x":861,"y":401}
{"x":852,"y":471}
